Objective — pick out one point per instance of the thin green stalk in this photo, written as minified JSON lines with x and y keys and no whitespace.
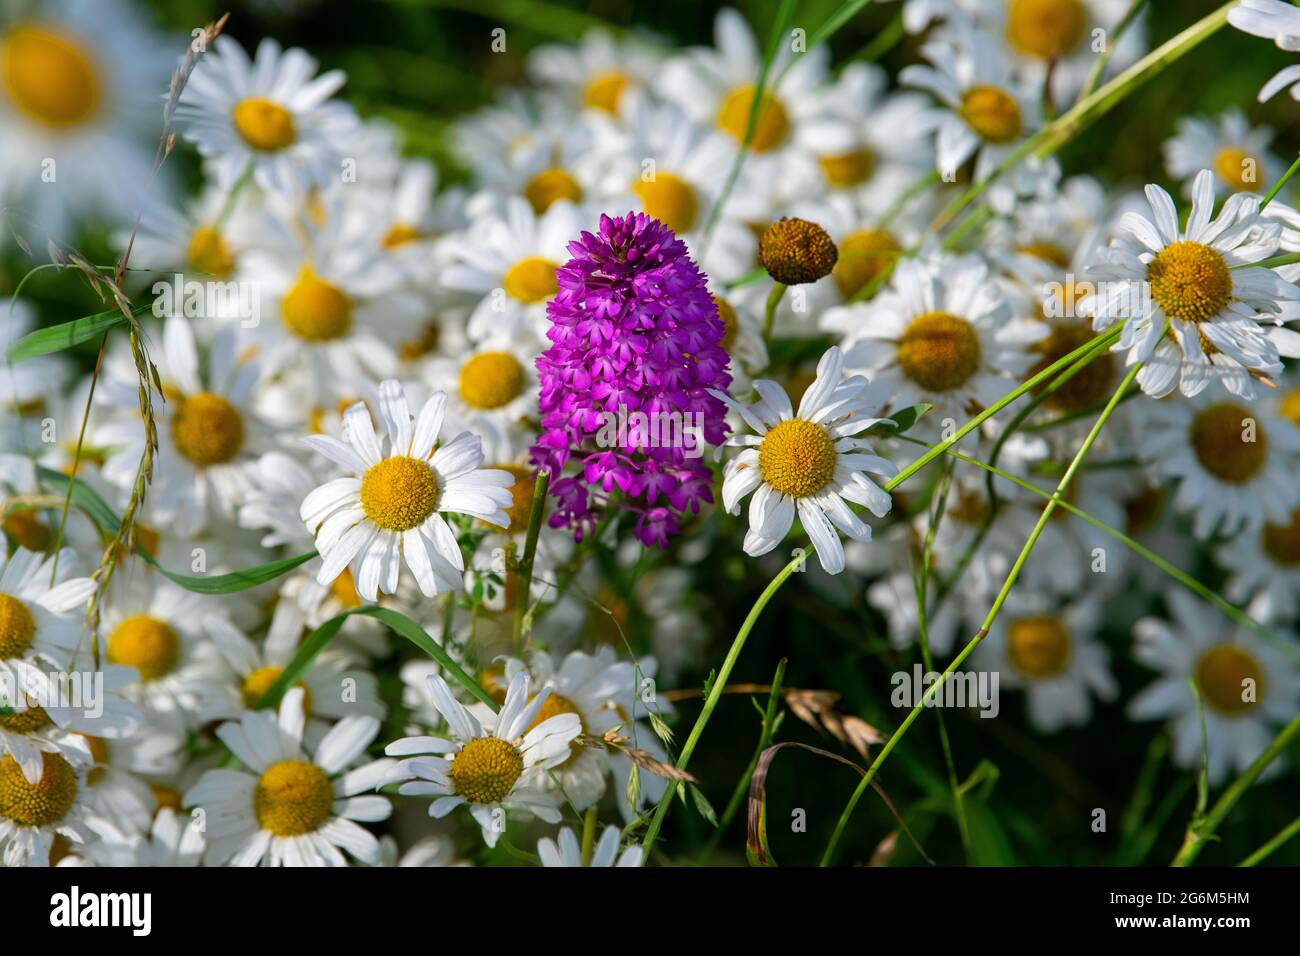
{"x":523,"y":599}
{"x":994,"y":611}
{"x":1099,"y":66}
{"x":908,"y":194}
{"x":588,"y":836}
{"x":1290,"y":830}
{"x":1277,"y":187}
{"x":893,"y":34}
{"x":1200,"y":831}
{"x":769,"y":310}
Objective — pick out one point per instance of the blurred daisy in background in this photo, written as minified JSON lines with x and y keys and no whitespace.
{"x":1238,"y":153}
{"x":565,"y":851}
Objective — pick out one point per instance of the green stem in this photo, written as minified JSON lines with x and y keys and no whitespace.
{"x":588,"y":836}
{"x":1200,"y":831}
{"x":1099,"y":67}
{"x":1277,"y":187}
{"x":769,"y":310}
{"x":523,"y":599}
{"x":1290,"y":830}
{"x":994,"y":611}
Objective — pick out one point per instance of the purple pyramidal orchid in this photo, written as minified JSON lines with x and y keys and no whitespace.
{"x":636,"y":344}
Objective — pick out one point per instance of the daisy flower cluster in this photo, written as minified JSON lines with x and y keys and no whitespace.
{"x":415,"y":490}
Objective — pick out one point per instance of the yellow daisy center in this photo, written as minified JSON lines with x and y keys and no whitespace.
{"x":344,"y":589}
{"x":522,"y":494}
{"x":316,"y":310}
{"x":550,"y":186}
{"x":1046,"y":251}
{"x":992,"y":112}
{"x":1038,"y":646}
{"x":98,"y":757}
{"x":939,"y":351}
{"x":1237,"y":168}
{"x":864,"y":255}
{"x":264,"y":124}
{"x":531,"y":280}
{"x":1282,"y":541}
{"x":1190,"y":281}
{"x":40,"y":804}
{"x":1045,"y":28}
{"x":17,"y":627}
{"x":293,"y":797}
{"x":848,"y":169}
{"x":208,"y":253}
{"x":399,"y":493}
{"x":773,"y":123}
{"x":797,"y":458}
{"x":730,"y":323}
{"x":145,"y":643}
{"x":555,"y":705}
{"x":491,"y":380}
{"x":670,"y":199}
{"x":1289,"y":407}
{"x":399,"y":234}
{"x":49,"y":76}
{"x":486,"y":769}
{"x":167,"y":798}
{"x":604,"y":90}
{"x":1219,"y":439}
{"x":259,"y":682}
{"x":29,"y":721}
{"x":26,"y":530}
{"x":207,"y":429}
{"x":1221,"y":675}
{"x":1088,"y":386}
{"x":423,"y":344}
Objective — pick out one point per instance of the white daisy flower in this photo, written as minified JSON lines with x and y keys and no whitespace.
{"x":294,"y":808}
{"x":1204,"y":281}
{"x":808,"y":463}
{"x":495,"y":393}
{"x":80,"y":97}
{"x":174,"y":839}
{"x":26,"y":385}
{"x":509,"y":257}
{"x":271,"y":116}
{"x":41,"y":622}
{"x":598,"y":72}
{"x":939,"y":333}
{"x":494,"y":769}
{"x":1277,"y":21}
{"x":1264,"y":570}
{"x":33,"y":814}
{"x":1247,"y":687}
{"x":1235,"y":462}
{"x":388,"y":508}
{"x":985,"y":112}
{"x":1052,"y":654}
{"x":1237,"y":153}
{"x":565,"y":851}
{"x":207,"y":432}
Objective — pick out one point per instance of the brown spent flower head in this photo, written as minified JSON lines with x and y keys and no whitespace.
{"x":796,"y":251}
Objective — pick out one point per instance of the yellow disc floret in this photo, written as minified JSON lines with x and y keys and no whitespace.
{"x":1045,"y":28}
{"x":145,"y":643}
{"x":848,"y":169}
{"x":491,"y":380}
{"x":670,"y":199}
{"x":773,"y":123}
{"x":399,"y":234}
{"x":486,"y":769}
{"x":550,"y":186}
{"x":293,"y":797}
{"x":17,"y":627}
{"x":796,"y":251}
{"x":939,"y":351}
{"x":207,"y":429}
{"x":604,"y":90}
{"x":49,"y":76}
{"x":316,"y":310}
{"x":1282,"y":541}
{"x":1190,"y":281}
{"x":264,"y":124}
{"x":797,"y":458}
{"x":1230,"y":679}
{"x":40,"y":804}
{"x":208,"y":253}
{"x":259,"y":682}
{"x":531,"y":280}
{"x":29,"y":721}
{"x":1228,"y":442}
{"x":992,"y":112}
{"x":864,"y":255}
{"x":1038,"y":646}
{"x":521,"y":491}
{"x":555,"y":705}
{"x":399,"y":493}
{"x":1238,"y":169}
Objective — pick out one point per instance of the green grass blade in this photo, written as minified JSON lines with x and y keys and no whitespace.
{"x":60,"y":337}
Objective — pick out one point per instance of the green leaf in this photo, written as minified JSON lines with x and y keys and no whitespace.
{"x":98,"y":510}
{"x":702,"y":805}
{"x":400,"y":624}
{"x":905,"y":418}
{"x":65,"y":336}
{"x":990,"y":845}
